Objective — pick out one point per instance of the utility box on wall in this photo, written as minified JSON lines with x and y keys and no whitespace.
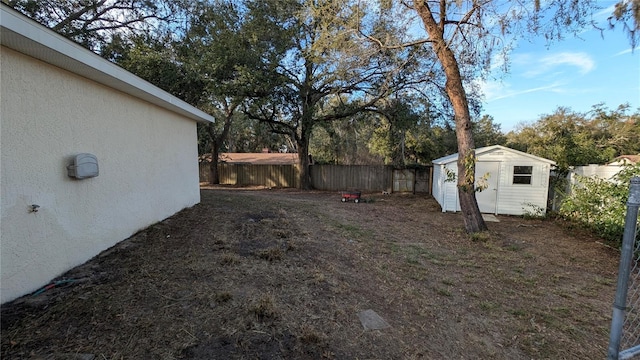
{"x":84,"y":166}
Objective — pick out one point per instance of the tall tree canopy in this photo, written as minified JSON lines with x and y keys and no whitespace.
{"x":93,"y":23}
{"x":223,"y":46}
{"x":464,"y":36}
{"x":571,"y":138}
{"x":327,"y":73}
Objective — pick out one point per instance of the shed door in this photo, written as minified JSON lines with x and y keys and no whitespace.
{"x":488,"y":197}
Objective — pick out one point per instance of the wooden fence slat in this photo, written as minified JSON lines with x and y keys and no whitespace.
{"x":323,"y":177}
{"x":351,"y":177}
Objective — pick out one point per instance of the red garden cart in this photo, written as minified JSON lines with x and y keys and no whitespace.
{"x":351,"y":195}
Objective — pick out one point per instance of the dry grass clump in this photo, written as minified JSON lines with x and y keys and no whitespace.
{"x":309,"y":335}
{"x":264,"y":307}
{"x":223,"y":297}
{"x":271,"y":254}
{"x":481,"y":236}
{"x":229,"y":259}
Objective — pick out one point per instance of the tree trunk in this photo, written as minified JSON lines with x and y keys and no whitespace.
{"x":214,"y":175}
{"x":218,"y":139}
{"x":309,"y":100}
{"x":473,"y":221}
{"x":304,"y":166}
{"x":302,"y":141}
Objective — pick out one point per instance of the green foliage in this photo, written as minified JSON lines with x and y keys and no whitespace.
{"x":93,"y":23}
{"x":324,"y":71}
{"x":600,"y":205}
{"x":398,"y":116}
{"x":533,"y":211}
{"x":469,"y":163}
{"x":571,"y":139}
{"x":481,"y":183}
{"x":627,"y":14}
{"x":487,"y":133}
{"x":450,"y":175}
{"x":153,"y":59}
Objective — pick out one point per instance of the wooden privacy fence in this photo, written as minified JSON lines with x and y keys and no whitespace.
{"x":351,"y":177}
{"x":371,"y":178}
{"x":286,"y":176}
{"x":325,"y":177}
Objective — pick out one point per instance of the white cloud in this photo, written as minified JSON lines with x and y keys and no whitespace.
{"x":604,"y":13}
{"x":623,"y":52}
{"x":546,"y":64}
{"x":495,"y":90}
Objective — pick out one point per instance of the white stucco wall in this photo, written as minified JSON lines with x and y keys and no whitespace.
{"x":148,"y":170}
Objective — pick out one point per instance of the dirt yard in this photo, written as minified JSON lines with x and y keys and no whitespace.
{"x":282,"y":274}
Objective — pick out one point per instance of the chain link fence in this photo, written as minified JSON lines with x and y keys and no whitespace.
{"x":624,"y":341}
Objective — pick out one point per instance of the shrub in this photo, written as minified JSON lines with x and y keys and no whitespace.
{"x":533,"y":211}
{"x":600,"y":205}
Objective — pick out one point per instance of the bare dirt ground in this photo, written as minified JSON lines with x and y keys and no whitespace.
{"x":282,"y":274}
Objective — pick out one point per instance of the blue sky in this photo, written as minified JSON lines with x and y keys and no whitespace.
{"x":576,"y":73}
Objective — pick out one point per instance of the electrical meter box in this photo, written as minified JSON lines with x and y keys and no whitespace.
{"x":84,"y":166}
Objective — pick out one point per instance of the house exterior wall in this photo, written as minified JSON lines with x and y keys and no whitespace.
{"x":147,"y":161}
{"x":511,"y":199}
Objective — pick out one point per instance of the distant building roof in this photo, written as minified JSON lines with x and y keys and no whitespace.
{"x":255,"y":158}
{"x":625,"y":159}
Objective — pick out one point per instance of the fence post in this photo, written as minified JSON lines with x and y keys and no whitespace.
{"x":626,"y":257}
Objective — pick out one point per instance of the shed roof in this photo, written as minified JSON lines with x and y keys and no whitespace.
{"x":26,"y":36}
{"x":488,"y":149}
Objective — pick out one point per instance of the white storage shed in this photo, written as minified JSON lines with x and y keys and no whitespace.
{"x":518,"y":182}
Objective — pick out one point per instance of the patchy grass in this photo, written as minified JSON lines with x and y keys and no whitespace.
{"x":283,"y":274}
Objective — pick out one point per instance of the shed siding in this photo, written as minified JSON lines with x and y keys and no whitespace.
{"x":437,"y":190}
{"x":146,"y":158}
{"x":511,"y":199}
{"x":514,"y":199}
{"x":451,"y":201}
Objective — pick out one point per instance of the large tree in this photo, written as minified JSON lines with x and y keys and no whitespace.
{"x":327,"y":74}
{"x":464,"y":36}
{"x":93,"y":23}
{"x":153,"y":58}
{"x":218,"y":47}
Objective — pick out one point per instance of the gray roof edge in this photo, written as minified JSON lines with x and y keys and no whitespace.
{"x":454,"y":157}
{"x":24,"y":35}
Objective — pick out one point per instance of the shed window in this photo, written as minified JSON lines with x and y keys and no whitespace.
{"x":522,"y":174}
